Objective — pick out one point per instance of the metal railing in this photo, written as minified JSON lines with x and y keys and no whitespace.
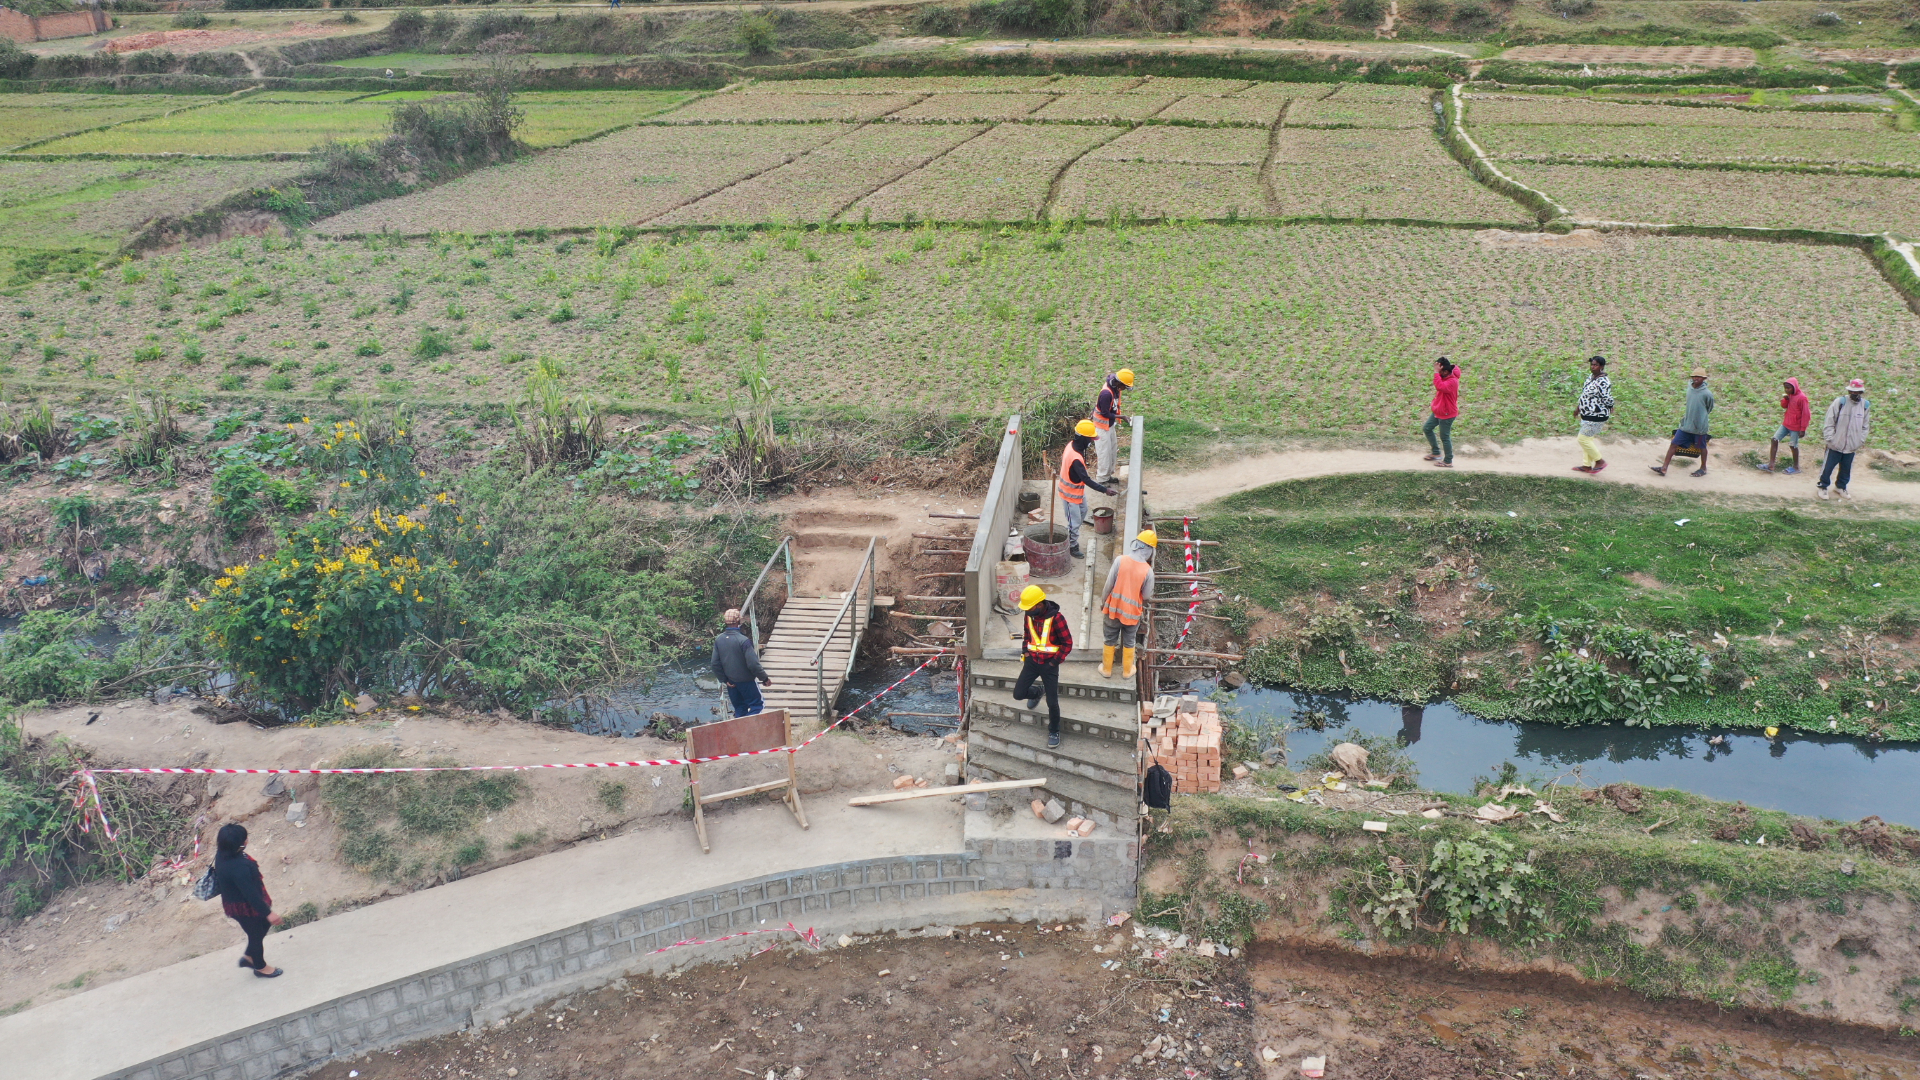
{"x":866,"y":575}
{"x":747,"y":606}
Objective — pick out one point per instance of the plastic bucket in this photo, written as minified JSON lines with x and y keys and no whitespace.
{"x":1102,"y":520}
{"x":1028,"y":502}
{"x":1049,"y":553}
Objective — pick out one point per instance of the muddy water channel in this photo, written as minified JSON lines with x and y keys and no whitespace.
{"x":1378,"y":1018}
{"x":1838,"y":778}
{"x":686,"y":691}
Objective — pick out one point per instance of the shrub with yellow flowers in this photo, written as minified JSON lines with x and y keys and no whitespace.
{"x":327,"y":614}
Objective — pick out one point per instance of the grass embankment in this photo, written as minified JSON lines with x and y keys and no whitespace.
{"x":1558,"y":599}
{"x":1699,"y":907}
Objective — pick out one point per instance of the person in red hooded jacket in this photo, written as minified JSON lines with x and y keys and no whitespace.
{"x":1441,"y":414}
{"x":1797,"y":414}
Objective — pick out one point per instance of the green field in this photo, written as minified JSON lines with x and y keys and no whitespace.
{"x":25,"y":118}
{"x":283,"y":122}
{"x":1311,"y":330}
{"x":418,"y":61}
{"x":96,"y":205}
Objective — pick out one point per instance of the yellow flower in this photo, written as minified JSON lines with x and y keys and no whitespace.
{"x":306,"y":419}
{"x":363,"y":474}
{"x":344,"y":484}
{"x":423,"y":474}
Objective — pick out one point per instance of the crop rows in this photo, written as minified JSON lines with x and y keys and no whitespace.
{"x":1257,"y":112}
{"x":1096,"y":188}
{"x":976,"y":84}
{"x":821,"y":184}
{"x":1188,"y":146}
{"x":787,"y":108}
{"x":1380,"y":173}
{"x":974,"y":107}
{"x":1576,"y":143}
{"x":1776,"y":200}
{"x":1498,"y":109}
{"x":1329,"y":329}
{"x":1338,"y":111}
{"x":626,"y":177}
{"x":1001,"y":176}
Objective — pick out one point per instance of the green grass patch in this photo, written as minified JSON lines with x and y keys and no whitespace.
{"x":412,"y":826}
{"x":1369,"y":557}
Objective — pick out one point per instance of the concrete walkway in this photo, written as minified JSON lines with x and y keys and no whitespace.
{"x":166,"y":1011}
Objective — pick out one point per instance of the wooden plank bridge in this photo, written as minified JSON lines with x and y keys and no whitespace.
{"x":815,"y":640}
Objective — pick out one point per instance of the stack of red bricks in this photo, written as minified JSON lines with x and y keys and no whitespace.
{"x":1186,"y":744}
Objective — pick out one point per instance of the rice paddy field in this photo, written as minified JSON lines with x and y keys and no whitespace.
{"x":1774,"y":200}
{"x":1324,"y":329}
{"x":95,"y":205}
{"x":292,"y":122}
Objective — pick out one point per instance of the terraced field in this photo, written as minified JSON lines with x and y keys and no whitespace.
{"x":1303,"y":328}
{"x":1775,"y":200}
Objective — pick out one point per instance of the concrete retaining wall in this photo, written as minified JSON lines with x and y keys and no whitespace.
{"x":859,"y":896}
{"x":1017,"y":852}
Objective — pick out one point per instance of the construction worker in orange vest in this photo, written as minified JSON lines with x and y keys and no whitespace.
{"x":1073,"y":483}
{"x":1107,"y":417}
{"x":1129,"y":585}
{"x":1045,"y":642}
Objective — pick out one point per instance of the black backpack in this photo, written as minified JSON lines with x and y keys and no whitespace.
{"x":1157,"y":788}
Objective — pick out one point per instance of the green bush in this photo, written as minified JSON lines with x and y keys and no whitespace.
{"x":45,"y":658}
{"x":757,"y":35}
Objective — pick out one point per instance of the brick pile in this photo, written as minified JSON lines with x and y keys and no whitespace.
{"x":1186,"y":741}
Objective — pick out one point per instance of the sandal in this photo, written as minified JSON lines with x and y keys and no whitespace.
{"x":1660,"y":469}
{"x":1583,"y":468}
{"x":1430,"y":457}
{"x":1444,"y":464}
{"x":1698,"y":472}
{"x":1601,"y":464}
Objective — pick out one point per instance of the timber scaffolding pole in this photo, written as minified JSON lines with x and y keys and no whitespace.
{"x":1201,"y":588}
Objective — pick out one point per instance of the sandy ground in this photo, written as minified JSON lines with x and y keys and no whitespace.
{"x":1627,"y":463}
{"x":1027,"y":1003}
{"x":1699,"y":55}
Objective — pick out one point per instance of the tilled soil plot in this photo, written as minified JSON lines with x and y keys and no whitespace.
{"x":989,"y":1001}
{"x":1026,"y":1003}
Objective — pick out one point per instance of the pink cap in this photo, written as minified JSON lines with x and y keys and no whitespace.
{"x":1857,"y":384}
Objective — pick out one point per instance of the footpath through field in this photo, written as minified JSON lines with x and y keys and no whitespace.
{"x":1627,"y":462}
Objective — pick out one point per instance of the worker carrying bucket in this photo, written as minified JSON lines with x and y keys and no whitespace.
{"x":1044,"y":643}
{"x":1129,"y":584}
{"x":1106,"y":417}
{"x":1073,"y":483}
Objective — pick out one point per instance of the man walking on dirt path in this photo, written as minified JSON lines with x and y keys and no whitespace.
{"x":1845,"y":432}
{"x":1045,"y":641}
{"x":1692,"y":432}
{"x":737,"y":665}
{"x":1073,"y":482}
{"x":1593,"y":408}
{"x":1129,"y":585}
{"x":1107,"y":417}
{"x":1796,"y":414}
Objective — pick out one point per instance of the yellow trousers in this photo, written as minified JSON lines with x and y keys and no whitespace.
{"x":1589,"y":446}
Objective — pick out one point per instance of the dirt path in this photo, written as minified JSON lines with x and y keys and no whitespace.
{"x":1627,"y":463}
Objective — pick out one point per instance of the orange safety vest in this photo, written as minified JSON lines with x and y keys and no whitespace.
{"x":1100,"y":422}
{"x":1040,"y":642}
{"x":1125,"y":603}
{"x":1067,"y":489}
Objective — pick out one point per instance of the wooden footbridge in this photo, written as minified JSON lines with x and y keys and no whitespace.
{"x":814,"y":640}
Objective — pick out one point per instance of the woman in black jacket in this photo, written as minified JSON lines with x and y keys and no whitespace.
{"x":244,"y":896}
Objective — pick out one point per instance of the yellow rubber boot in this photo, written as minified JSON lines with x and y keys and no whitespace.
{"x":1127,"y":660}
{"x":1106,"y":665}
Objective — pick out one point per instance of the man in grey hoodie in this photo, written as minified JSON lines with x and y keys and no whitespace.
{"x":736,"y":664}
{"x":1129,"y":587}
{"x":1845,"y":432}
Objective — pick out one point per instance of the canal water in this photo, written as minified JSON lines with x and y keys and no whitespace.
{"x":687,"y":691}
{"x":1831,"y":777}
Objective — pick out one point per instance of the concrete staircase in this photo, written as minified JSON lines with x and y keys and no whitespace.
{"x":1095,"y":769}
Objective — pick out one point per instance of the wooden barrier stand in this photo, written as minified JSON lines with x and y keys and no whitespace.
{"x":761,"y":731}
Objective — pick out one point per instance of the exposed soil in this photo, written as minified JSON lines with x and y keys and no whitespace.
{"x":188,"y":42}
{"x":1700,"y":55}
{"x":1022,"y":1003}
{"x":1626,"y":461}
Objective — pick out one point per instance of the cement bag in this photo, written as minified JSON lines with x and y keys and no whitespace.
{"x":1009,"y":578}
{"x":1351,"y":759}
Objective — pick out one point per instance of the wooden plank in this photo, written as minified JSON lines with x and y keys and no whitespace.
{"x":956,"y":789}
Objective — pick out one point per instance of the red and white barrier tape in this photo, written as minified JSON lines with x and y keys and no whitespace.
{"x":807,"y":937}
{"x":1193,"y":588}
{"x":87,"y":799}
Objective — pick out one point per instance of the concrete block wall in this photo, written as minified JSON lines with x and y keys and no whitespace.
{"x":443,"y":1000}
{"x":1107,"y":866}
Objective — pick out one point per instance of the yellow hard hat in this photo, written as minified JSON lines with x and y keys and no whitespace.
{"x":1085,"y":427}
{"x":1030,"y":596}
{"x":1125,"y":375}
{"x":1149,"y":538}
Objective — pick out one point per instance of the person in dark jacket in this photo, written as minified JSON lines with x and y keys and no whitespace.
{"x":1045,"y":641}
{"x":243,"y":895}
{"x":737,"y":665}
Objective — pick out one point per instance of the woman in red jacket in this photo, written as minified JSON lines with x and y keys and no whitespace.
{"x":243,"y":894}
{"x":1446,"y":406}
